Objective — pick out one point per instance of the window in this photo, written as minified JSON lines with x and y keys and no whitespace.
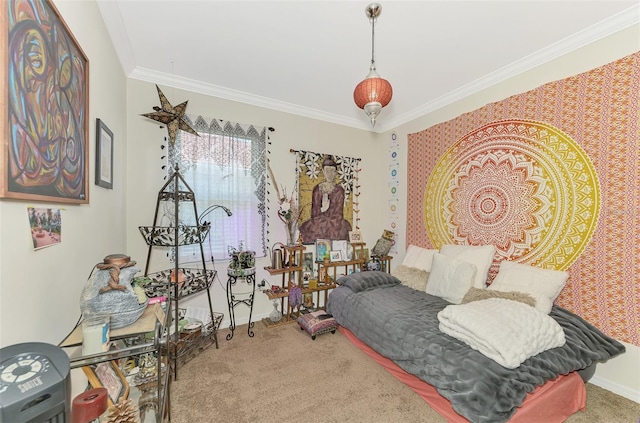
{"x":224,"y":166}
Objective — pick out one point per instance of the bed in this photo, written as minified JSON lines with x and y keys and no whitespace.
{"x":401,"y":326}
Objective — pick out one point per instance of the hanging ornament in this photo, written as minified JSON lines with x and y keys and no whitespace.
{"x":172,"y":116}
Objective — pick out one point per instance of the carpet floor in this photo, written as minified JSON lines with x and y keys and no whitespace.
{"x":281,"y":375}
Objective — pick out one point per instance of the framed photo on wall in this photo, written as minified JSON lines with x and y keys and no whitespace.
{"x":104,"y":155}
{"x":44,"y":152}
{"x":107,"y":374}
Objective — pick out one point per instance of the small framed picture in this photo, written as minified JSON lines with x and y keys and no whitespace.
{"x":382,"y":247}
{"x":322,"y":274}
{"x":343,"y":247}
{"x":323,"y":248}
{"x":107,"y":374}
{"x":307,"y":262}
{"x":355,"y":236}
{"x":104,"y":155}
{"x":362,"y":254}
{"x":307,"y":301}
{"x":335,"y":255}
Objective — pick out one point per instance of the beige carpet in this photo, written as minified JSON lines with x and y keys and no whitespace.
{"x":281,"y":375}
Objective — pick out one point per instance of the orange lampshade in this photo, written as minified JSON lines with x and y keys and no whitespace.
{"x":374,"y":92}
{"x":374,"y":89}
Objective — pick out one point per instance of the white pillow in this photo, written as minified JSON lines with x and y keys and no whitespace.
{"x":419,"y":257}
{"x":542,"y":284}
{"x":450,"y":278}
{"x":413,"y":251}
{"x":480,"y":255}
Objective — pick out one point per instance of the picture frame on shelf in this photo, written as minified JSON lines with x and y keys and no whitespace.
{"x":46,"y":132}
{"x":104,"y":155}
{"x":355,"y":236}
{"x":323,"y":249}
{"x":322,"y":274}
{"x":307,"y":262}
{"x":335,"y":255}
{"x":362,"y":254}
{"x":108,"y":375}
{"x":382,"y":247}
{"x":343,"y":246}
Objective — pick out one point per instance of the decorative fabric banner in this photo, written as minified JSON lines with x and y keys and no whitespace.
{"x":522,"y":186}
{"x":325,"y":194}
{"x":552,"y":178}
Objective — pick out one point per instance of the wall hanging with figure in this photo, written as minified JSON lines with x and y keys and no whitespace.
{"x":326,"y":185}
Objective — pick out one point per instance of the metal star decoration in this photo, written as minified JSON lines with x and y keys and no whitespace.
{"x":171,"y":116}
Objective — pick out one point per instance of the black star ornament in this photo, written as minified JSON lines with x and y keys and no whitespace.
{"x":171,"y":116}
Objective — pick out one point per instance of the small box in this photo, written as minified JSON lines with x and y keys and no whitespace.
{"x":313,"y":284}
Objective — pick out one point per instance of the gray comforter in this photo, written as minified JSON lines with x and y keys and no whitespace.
{"x":400,"y":323}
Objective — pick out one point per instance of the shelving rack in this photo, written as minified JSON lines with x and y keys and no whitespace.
{"x":179,"y":282}
{"x":134,"y":341}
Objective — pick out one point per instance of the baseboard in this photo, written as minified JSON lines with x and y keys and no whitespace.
{"x":242,"y":321}
{"x":617,"y":389}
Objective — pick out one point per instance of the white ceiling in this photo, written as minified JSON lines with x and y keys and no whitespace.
{"x":306,"y":57}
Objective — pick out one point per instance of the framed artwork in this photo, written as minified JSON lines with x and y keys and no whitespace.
{"x":104,"y":155}
{"x":107,"y":374}
{"x":323,"y":248}
{"x":322,"y":274}
{"x":45,"y":120}
{"x":362,"y":254}
{"x":307,"y":300}
{"x":343,"y":247}
{"x":335,"y":255}
{"x":355,"y":236}
{"x":382,"y":247}
{"x":325,"y":195}
{"x":307,"y":262}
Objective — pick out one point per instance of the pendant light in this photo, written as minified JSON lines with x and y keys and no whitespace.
{"x":374,"y":92}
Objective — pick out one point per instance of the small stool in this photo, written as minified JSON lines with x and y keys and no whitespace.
{"x":317,"y":323}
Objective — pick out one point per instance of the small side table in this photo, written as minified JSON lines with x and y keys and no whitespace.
{"x":249,"y":275}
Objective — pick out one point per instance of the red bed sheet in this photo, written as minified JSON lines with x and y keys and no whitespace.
{"x":552,"y":402}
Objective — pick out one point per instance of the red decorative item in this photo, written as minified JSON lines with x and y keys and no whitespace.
{"x":373,"y":89}
{"x":374,"y":92}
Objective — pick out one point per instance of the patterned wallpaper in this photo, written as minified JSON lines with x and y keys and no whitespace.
{"x":552,"y":178}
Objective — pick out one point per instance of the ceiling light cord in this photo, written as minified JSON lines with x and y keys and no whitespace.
{"x":373,"y":40}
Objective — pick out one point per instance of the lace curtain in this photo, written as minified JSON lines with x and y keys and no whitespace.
{"x":226,"y":166}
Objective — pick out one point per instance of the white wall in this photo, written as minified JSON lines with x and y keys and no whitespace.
{"x":621,"y":374}
{"x":40,"y":290}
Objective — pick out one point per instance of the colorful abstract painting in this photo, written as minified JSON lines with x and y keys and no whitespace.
{"x":46,"y":115}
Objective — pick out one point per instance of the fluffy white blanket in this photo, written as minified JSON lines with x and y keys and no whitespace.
{"x":506,"y":331}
